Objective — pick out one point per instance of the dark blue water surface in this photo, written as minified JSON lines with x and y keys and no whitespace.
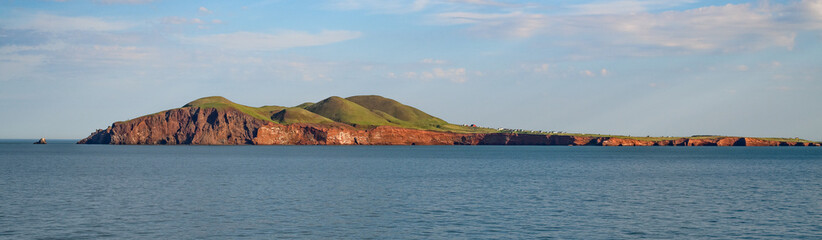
{"x":389,"y":192}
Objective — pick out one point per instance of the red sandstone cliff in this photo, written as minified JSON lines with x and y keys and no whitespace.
{"x":210,"y":126}
{"x":207,"y":126}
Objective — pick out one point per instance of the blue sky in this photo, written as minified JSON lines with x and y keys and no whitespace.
{"x":630,"y":67}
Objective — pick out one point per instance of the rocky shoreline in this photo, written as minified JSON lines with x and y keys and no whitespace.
{"x":211,"y":126}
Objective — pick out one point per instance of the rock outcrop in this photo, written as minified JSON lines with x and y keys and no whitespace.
{"x":212,"y":126}
{"x":41,"y":141}
{"x":205,"y":126}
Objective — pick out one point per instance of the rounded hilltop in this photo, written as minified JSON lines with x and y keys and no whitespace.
{"x":219,"y":102}
{"x":345,"y":111}
{"x":299,"y":115}
{"x":405,"y":113}
{"x":209,"y":102}
{"x":367,"y":119}
{"x":363,"y":111}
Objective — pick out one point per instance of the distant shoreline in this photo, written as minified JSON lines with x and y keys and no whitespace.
{"x":358,"y":120}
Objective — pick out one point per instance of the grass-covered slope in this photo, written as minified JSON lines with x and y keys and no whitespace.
{"x":263,"y":113}
{"x":398,"y":113}
{"x":344,"y":111}
{"x":359,"y":111}
{"x":371,"y":110}
{"x":298,"y":115}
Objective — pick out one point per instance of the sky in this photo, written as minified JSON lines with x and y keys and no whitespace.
{"x":627,"y":67}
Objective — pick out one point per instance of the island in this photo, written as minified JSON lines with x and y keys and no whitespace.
{"x":357,"y":120}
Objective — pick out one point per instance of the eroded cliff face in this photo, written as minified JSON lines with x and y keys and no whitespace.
{"x":210,"y":126}
{"x":313,"y":134}
{"x":207,"y":126}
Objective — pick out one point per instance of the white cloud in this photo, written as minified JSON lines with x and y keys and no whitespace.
{"x":483,"y":2}
{"x":457,"y":75}
{"x":454,"y":74}
{"x":252,"y":41}
{"x":542,"y":68}
{"x":624,"y":6}
{"x":15,"y":49}
{"x":607,"y":8}
{"x":123,"y":1}
{"x":587,"y":73}
{"x":53,"y":23}
{"x":382,"y":6}
{"x":54,"y":59}
{"x":433,"y":61}
{"x":309,"y":71}
{"x":174,"y":20}
{"x":515,"y":24}
{"x":117,"y":52}
{"x":812,"y":8}
{"x":742,"y":68}
{"x":410,"y":6}
{"x":604,"y":72}
{"x":419,"y":5}
{"x":727,"y":28}
{"x":205,"y":10}
{"x":18,"y":66}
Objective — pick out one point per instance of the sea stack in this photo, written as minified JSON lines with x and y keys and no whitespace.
{"x":41,"y":141}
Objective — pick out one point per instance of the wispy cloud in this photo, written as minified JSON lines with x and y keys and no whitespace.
{"x":253,"y":41}
{"x":204,"y":10}
{"x":732,"y":27}
{"x":123,"y":1}
{"x":515,"y":24}
{"x":411,"y":6}
{"x":54,"y":23}
{"x":623,"y":6}
{"x":200,"y":23}
{"x":726,"y":28}
{"x":433,"y":61}
{"x":483,"y":2}
{"x":175,"y":20}
{"x":542,"y":68}
{"x":457,"y":75}
{"x":381,"y":6}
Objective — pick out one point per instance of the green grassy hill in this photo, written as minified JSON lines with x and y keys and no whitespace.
{"x":344,"y":111}
{"x":359,"y":111}
{"x":398,"y":113}
{"x":218,"y":102}
{"x":298,"y":115}
{"x":371,"y":110}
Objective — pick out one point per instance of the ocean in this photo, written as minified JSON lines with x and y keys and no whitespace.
{"x":68,"y":191}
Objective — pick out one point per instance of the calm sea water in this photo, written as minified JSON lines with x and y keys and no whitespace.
{"x":70,"y":191}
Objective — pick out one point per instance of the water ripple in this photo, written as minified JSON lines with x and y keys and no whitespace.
{"x":251,"y":192}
